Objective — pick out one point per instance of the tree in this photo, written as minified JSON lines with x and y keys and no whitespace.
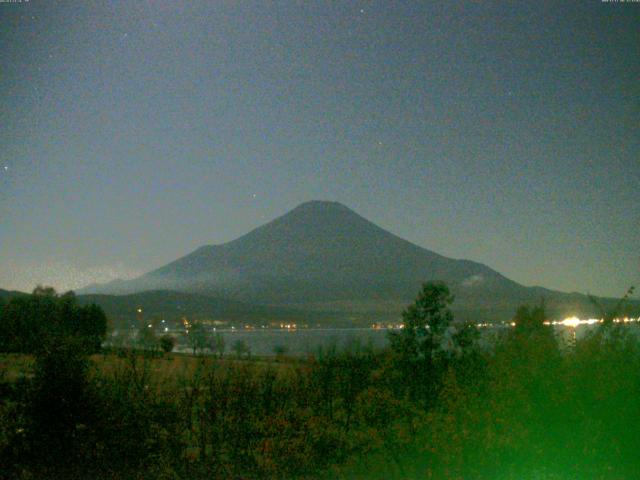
{"x":92,"y":325}
{"x":280,"y":350}
{"x":464,"y":338}
{"x":198,"y":337}
{"x":529,"y":319}
{"x":58,"y":400}
{"x":241,"y":348}
{"x":608,"y":315}
{"x":3,"y":340}
{"x":610,"y":335}
{"x":218,"y":344}
{"x":418,"y":348}
{"x":425,"y":323}
{"x":34,"y":322}
{"x":147,"y":339}
{"x":45,"y":291}
{"x":167,"y":343}
{"x":531,"y":336}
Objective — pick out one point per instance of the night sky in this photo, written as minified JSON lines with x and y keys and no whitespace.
{"x":135,"y":131}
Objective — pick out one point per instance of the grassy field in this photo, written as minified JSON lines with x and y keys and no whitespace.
{"x":163,"y":368}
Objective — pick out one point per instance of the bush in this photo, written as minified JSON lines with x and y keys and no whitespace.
{"x":167,"y":343}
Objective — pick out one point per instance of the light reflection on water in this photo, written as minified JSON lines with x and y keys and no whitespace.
{"x":305,"y":341}
{"x":309,"y":341}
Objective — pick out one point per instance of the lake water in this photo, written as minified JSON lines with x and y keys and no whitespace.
{"x":304,"y":341}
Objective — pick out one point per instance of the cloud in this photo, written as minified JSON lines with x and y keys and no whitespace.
{"x":473,"y":280}
{"x":60,"y":274}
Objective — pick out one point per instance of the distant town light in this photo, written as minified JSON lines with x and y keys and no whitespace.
{"x":572,"y":322}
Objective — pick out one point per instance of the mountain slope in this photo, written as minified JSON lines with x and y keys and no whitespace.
{"x":155,"y":305}
{"x":322,"y":255}
{"x":6,"y":295}
{"x":323,"y":245}
{"x":173,"y":306}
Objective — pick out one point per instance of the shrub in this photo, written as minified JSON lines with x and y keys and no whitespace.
{"x":167,"y":343}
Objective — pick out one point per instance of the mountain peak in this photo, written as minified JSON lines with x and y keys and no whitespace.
{"x":317,"y":203}
{"x":323,"y":255}
{"x":309,"y":218}
{"x":321,"y":205}
{"x":321,"y":251}
{"x":319,"y":218}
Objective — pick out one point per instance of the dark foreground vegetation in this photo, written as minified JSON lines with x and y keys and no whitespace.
{"x":434,"y":405}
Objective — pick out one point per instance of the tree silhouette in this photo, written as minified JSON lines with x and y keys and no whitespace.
{"x":418,"y":347}
{"x":218,"y":344}
{"x":35,"y":322}
{"x":529,"y":319}
{"x":425,"y":323}
{"x":167,"y":343}
{"x":241,"y":348}
{"x":198,"y":338}
{"x":147,"y":339}
{"x":608,"y":315}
